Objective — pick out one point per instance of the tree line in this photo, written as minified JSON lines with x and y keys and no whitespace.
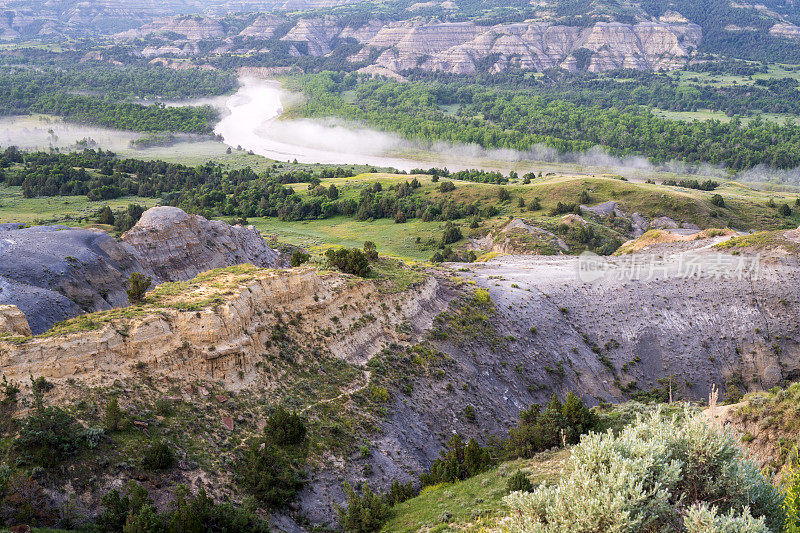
{"x":102,"y":95}
{"x":498,"y":118}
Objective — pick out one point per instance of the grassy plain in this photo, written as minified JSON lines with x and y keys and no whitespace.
{"x":66,"y":210}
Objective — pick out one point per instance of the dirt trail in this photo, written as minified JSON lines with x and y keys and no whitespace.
{"x":347,"y":392}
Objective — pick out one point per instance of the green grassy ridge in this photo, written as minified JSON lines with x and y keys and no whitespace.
{"x":761,"y":241}
{"x":745,"y":208}
{"x":474,"y":502}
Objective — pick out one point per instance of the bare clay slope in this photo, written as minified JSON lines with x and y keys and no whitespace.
{"x":700,"y":331}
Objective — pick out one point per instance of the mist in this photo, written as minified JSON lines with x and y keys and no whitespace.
{"x":252,"y":122}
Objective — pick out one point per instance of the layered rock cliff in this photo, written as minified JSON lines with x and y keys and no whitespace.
{"x":465,"y":47}
{"x":220,"y":323}
{"x":458,"y":47}
{"x":193,"y":28}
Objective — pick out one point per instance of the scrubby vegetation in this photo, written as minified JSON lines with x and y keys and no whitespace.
{"x":673,"y":473}
{"x":558,"y":424}
{"x":349,"y":260}
{"x":137,"y":287}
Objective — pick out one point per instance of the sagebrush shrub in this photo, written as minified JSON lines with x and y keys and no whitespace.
{"x":657,"y":474}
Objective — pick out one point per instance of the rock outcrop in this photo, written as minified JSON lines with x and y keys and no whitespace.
{"x":787,"y":31}
{"x":13,"y":322}
{"x":52,"y":273}
{"x":263,"y":27}
{"x":221,"y":323}
{"x":172,"y":245}
{"x":458,"y":47}
{"x":462,"y":46}
{"x":191,"y":27}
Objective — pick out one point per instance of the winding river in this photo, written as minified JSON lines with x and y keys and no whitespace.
{"x":253,"y":121}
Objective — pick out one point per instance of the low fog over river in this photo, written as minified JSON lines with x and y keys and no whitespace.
{"x":252,"y":122}
{"x":251,"y":119}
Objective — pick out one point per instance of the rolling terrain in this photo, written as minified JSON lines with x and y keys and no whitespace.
{"x":402,"y":359}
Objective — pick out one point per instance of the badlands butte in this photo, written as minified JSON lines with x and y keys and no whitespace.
{"x":386,"y":368}
{"x":457,"y":47}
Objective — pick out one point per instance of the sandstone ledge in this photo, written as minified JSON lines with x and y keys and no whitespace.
{"x":218,"y":326}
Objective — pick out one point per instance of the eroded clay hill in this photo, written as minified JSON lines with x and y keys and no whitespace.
{"x":457,"y":47}
{"x":53,"y":272}
{"x":700,"y":311}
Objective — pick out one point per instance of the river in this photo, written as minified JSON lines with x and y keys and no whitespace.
{"x":252,"y":122}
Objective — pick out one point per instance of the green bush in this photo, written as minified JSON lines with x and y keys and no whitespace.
{"x":447,"y":186}
{"x":105,"y":216}
{"x":285,"y":428}
{"x":451,"y":234}
{"x":40,"y":385}
{"x":113,"y":419}
{"x":158,"y":456}
{"x":519,"y":482}
{"x":48,"y":435}
{"x":562,"y":209}
{"x":365,"y":512}
{"x":349,"y":260}
{"x":117,"y":506}
{"x":371,"y":251}
{"x":657,"y":474}
{"x":163,"y":407}
{"x":137,"y":287}
{"x":399,"y":492}
{"x":541,"y":430}
{"x":268,"y":474}
{"x":457,"y":461}
{"x":470,"y":414}
{"x":129,"y":217}
{"x":298,"y":258}
{"x":718,"y":200}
